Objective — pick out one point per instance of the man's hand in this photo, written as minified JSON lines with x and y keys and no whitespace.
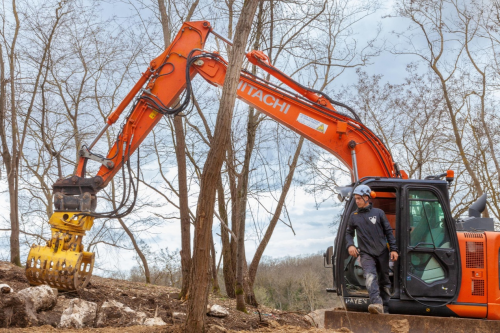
{"x":394,"y":256}
{"x":353,"y":251}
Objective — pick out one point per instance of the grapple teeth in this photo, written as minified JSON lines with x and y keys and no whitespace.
{"x":60,"y":264}
{"x":64,"y":270}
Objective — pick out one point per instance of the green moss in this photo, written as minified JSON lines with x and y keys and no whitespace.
{"x":242,"y":308}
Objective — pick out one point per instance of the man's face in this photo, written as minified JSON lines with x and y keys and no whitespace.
{"x":361,"y":201}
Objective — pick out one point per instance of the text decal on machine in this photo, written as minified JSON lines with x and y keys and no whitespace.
{"x":264,"y":98}
{"x":312,"y":123}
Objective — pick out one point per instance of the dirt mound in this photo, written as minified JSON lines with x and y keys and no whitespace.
{"x":13,"y":276}
{"x":154,"y":301}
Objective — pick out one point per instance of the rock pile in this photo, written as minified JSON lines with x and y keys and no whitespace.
{"x":21,"y":308}
{"x":41,"y":306}
{"x":119,"y":315}
{"x":78,"y":314}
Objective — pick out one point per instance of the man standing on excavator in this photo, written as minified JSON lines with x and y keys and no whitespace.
{"x":373,"y":232}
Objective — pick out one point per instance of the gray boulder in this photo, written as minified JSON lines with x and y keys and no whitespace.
{"x":43,"y":297}
{"x":218,"y":311}
{"x":78,"y":314}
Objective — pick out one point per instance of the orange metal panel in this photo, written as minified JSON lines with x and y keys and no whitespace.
{"x":390,"y":195}
{"x":493,"y":311}
{"x":473,"y":288}
{"x":341,"y":127}
{"x":493,"y":274}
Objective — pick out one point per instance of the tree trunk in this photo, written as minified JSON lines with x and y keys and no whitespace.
{"x":234,"y":181}
{"x":183,"y":205}
{"x":250,"y":298}
{"x":164,"y":22}
{"x":3,"y":111}
{"x":242,"y":201}
{"x":227,"y":269}
{"x":215,"y":279}
{"x":141,"y":255}
{"x":243,"y":292}
{"x":12,"y":157}
{"x":15,"y":253}
{"x":243,"y":184}
{"x":482,"y":96}
{"x":12,"y":161}
{"x":253,"y":121}
{"x":198,"y":289}
{"x":3,"y":114}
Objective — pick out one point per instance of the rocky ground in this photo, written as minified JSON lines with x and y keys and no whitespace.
{"x":109,"y":305}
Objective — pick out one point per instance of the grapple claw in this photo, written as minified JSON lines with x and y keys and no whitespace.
{"x":62,"y":264}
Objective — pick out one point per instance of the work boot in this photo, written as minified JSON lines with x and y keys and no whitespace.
{"x":376,"y":308}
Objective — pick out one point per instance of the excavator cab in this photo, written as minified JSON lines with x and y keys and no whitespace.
{"x":428,"y":269}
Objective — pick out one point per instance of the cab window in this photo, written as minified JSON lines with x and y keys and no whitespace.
{"x":427,"y":230}
{"x":427,"y":224}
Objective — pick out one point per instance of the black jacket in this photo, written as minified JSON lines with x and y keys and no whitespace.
{"x":373,"y":231}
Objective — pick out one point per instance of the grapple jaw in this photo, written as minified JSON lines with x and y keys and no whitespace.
{"x":62,"y":263}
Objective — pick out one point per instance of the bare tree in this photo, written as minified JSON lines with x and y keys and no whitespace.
{"x":211,"y":172}
{"x":10,"y":155}
{"x":475,"y":23}
{"x":21,"y":108}
{"x":429,"y":19}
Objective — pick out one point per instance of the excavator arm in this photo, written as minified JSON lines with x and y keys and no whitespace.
{"x":64,"y":264}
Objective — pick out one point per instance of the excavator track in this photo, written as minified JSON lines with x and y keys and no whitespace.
{"x":62,"y":263}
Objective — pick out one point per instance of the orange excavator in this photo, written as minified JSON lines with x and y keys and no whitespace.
{"x":446,"y":268}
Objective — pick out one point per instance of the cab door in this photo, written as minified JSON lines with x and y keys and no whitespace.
{"x":430,"y":262}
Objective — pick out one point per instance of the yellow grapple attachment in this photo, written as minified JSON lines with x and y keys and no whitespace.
{"x":62,"y":263}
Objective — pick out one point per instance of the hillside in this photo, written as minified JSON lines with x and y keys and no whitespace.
{"x":153,"y":301}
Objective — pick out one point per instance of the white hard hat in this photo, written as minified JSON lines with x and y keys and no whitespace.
{"x":362,"y":190}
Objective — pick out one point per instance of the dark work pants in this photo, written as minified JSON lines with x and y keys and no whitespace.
{"x":376,"y":274}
